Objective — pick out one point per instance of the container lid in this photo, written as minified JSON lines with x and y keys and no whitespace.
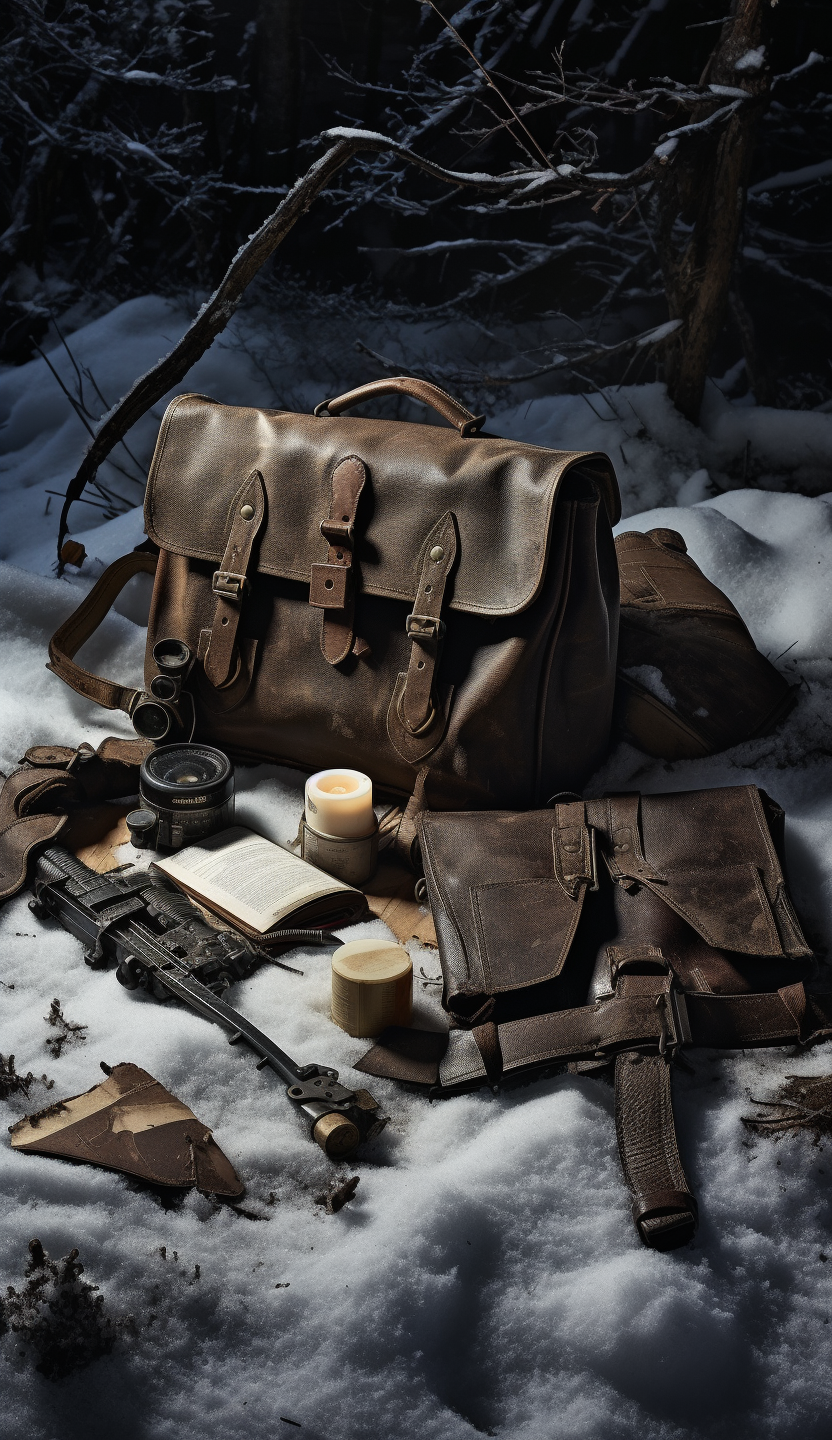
{"x":371,"y":962}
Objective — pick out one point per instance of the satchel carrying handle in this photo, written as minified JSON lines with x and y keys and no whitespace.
{"x":449,"y":408}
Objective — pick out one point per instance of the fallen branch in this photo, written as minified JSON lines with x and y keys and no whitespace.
{"x":215,"y":315}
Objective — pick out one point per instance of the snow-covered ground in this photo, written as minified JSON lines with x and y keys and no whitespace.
{"x":487,"y":1278}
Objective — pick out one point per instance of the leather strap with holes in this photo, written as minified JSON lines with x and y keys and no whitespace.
{"x":332,"y":584}
{"x":425,"y":627}
{"x":626,"y":861}
{"x":230,"y":582}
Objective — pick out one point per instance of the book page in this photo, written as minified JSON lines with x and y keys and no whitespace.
{"x":250,"y":878}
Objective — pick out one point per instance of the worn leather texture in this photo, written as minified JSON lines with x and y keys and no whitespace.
{"x":612,"y":932}
{"x":457,"y":616}
{"x":129,"y":1122}
{"x":697,"y":874}
{"x":718,"y":689}
{"x":54,"y":780}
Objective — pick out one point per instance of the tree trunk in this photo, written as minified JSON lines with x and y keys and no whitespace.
{"x":278,"y":63}
{"x":704,"y":188}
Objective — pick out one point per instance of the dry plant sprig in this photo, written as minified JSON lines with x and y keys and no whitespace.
{"x":803,"y":1103}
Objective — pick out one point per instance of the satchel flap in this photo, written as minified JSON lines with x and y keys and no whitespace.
{"x":502,"y":494}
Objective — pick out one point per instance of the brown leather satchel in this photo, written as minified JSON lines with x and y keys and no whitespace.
{"x":691,"y":681}
{"x":612,"y":933}
{"x":434,"y":607}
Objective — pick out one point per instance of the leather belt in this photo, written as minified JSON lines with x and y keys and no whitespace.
{"x":640,"y":1028}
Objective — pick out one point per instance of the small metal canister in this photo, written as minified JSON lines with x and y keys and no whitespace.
{"x":349,"y":859}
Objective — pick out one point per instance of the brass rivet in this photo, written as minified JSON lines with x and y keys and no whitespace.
{"x":437,"y":553}
{"x":246,"y":512}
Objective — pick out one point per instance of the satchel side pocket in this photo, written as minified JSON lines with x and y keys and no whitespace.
{"x":524,"y":931}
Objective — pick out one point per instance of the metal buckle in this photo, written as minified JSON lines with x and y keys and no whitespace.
{"x":593,"y":859}
{"x":675,"y":1021}
{"x":338,"y":532}
{"x":226,"y":582}
{"x":678,"y":1007}
{"x":424,"y":627}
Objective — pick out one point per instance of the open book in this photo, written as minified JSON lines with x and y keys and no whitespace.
{"x":257,"y":885}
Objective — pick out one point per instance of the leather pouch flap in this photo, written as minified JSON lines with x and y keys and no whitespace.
{"x":524,"y":929}
{"x":503,"y":921}
{"x":502,"y":494}
{"x":716,"y":864}
{"x":727,"y":906}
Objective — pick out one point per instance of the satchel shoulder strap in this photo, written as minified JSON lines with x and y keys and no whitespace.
{"x":83,"y":622}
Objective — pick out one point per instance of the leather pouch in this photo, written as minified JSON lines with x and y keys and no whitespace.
{"x":533,"y":902}
{"x":611,"y":933}
{"x":690,"y":679}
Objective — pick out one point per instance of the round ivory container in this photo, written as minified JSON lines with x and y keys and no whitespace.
{"x":372,"y":986}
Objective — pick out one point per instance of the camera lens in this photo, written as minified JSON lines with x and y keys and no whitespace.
{"x":190,"y":788}
{"x":200,"y":770}
{"x":151,"y":720}
{"x":172,"y":656}
{"x":164,"y":687}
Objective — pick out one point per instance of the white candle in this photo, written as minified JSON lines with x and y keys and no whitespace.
{"x":340,"y":802}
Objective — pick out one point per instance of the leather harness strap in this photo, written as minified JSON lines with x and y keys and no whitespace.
{"x":664,"y":1209}
{"x":647,"y":1013}
{"x":230,"y":582}
{"x":426,"y":628}
{"x":574,"y":849}
{"x":332,"y":584}
{"x":84,"y":621}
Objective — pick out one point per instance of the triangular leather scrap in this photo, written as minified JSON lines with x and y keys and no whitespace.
{"x":132,"y":1123}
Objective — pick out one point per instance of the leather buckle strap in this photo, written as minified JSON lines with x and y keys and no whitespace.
{"x":332,"y":583}
{"x":224,"y":582}
{"x":229,"y":583}
{"x":623,"y":852}
{"x":576,"y":860}
{"x":425,"y":628}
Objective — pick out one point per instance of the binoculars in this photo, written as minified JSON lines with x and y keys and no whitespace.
{"x":166,"y":712}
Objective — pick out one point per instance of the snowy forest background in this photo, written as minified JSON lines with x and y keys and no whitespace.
{"x":638,"y":263}
{"x":684,"y":175}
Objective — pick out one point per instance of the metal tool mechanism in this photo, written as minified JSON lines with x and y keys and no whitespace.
{"x":162,"y":944}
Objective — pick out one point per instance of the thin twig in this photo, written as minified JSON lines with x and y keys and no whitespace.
{"x":489,"y":81}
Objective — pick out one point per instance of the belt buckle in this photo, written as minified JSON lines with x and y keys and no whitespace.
{"x":424,"y":627}
{"x":677,"y":1011}
{"x":228,"y":583}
